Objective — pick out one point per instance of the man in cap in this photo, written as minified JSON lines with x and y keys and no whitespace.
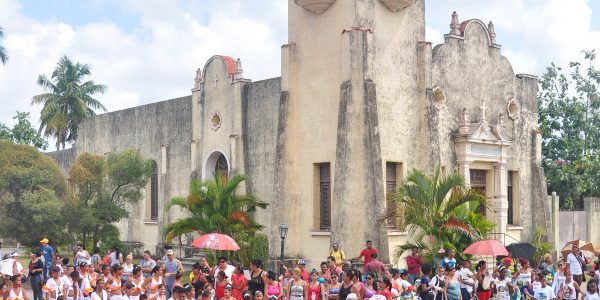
{"x":439,"y":259}
{"x":338,"y":254}
{"x":302,"y":267}
{"x":48,"y":255}
{"x":172,"y":266}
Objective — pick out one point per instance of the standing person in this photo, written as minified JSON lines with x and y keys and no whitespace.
{"x":375,"y":266}
{"x":116,"y":257}
{"x":172,"y":266}
{"x":333,"y":269}
{"x":544,"y":291}
{"x":452,"y":286}
{"x":323,"y":271}
{"x":439,"y":259}
{"x":569,"y":290}
{"x":154,"y":282}
{"x":238,"y":282}
{"x":316,"y":291}
{"x":414,"y":262}
{"x":384,"y":288}
{"x":338,"y":254}
{"x":55,"y":286}
{"x":559,"y":276}
{"x":49,"y":255}
{"x":138,"y":282}
{"x":467,"y":283}
{"x":484,"y":291}
{"x":113,"y":284}
{"x":128,"y":267}
{"x":333,"y":288}
{"x":227,"y":293}
{"x":147,"y":264}
{"x":81,"y":287}
{"x":577,"y":264}
{"x":450,"y":261}
{"x":82,"y":256}
{"x":36,"y":271}
{"x":100,"y":293}
{"x":16,"y":292}
{"x":205,"y":269}
{"x":370,"y":287}
{"x":425,"y":280}
{"x":198,"y":279}
{"x":348,"y":287}
{"x":96,"y":260}
{"x":502,"y":284}
{"x":256,"y":282}
{"x":366,"y":253}
{"x":547,"y":265}
{"x":302,"y":267}
{"x":298,"y":287}
{"x":273,"y":290}
{"x":220,"y":285}
{"x":223,"y":266}
{"x":592,"y":292}
{"x":437,"y":283}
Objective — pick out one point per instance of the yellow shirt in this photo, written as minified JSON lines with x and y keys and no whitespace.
{"x":339,"y":257}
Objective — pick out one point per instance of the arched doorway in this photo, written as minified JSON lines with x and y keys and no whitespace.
{"x":217,"y":164}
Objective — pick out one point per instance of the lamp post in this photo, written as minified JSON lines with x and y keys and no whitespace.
{"x":283,"y":230}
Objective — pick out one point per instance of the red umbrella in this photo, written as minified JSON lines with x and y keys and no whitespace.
{"x":216,"y":241}
{"x":487,"y":247}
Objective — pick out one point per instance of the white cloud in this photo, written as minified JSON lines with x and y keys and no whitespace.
{"x":433,"y":36}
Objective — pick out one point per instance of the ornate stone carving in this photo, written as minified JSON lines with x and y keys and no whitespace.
{"x":482,"y":130}
{"x":198,"y":78}
{"x":239,"y":72}
{"x":492,"y":32}
{"x":396,"y":5}
{"x":454,"y":24}
{"x":215,"y":121}
{"x":512,"y":107}
{"x":316,"y":6}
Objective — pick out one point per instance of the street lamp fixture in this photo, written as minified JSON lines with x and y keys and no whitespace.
{"x":283,"y":231}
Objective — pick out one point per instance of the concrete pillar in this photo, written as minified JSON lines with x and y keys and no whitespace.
{"x":500,"y":202}
{"x":463,"y":168}
{"x":589,"y":207}
{"x":554,"y":201}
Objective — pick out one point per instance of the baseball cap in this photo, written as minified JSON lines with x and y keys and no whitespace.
{"x":302,"y":262}
{"x":14,"y":254}
{"x":403,"y":271}
{"x":441,"y":250}
{"x":335,"y":245}
{"x":507,"y":259}
{"x":44,"y":240}
{"x":169,"y":252}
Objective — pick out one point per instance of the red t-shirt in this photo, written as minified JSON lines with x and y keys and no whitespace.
{"x":367,"y":254}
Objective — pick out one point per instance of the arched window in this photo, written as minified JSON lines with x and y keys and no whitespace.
{"x":222,"y":167}
{"x":154,"y":193}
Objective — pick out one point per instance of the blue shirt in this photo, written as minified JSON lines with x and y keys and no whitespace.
{"x":47,"y":251}
{"x":449,"y":263}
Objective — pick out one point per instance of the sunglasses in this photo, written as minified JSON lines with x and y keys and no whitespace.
{"x":369,"y":278}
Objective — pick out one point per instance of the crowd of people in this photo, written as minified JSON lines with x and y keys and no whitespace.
{"x":114,"y":276}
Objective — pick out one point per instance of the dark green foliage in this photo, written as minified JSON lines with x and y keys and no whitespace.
{"x":23,"y":132}
{"x":569,"y":119}
{"x":260,"y":247}
{"x":33,"y":196}
{"x":104,"y":186}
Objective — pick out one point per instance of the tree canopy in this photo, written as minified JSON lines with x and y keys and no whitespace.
{"x":3,"y":51}
{"x":104,"y":186}
{"x":33,"y":195}
{"x":68,"y":100}
{"x":22,"y":133}
{"x":569,"y":119}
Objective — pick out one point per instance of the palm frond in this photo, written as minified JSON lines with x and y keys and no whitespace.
{"x":460,"y":226}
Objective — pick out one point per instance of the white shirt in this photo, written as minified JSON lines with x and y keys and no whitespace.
{"x":228,"y":271}
{"x":55,"y":286}
{"x":85,"y":284}
{"x":466,"y":275}
{"x":574,"y":264}
{"x":544,"y":293}
{"x":104,"y":296}
{"x":591,"y":296}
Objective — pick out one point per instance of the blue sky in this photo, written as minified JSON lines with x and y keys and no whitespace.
{"x":148,"y":50}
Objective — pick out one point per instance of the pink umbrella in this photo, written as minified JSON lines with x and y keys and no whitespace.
{"x":486,"y":247}
{"x":216,"y":241}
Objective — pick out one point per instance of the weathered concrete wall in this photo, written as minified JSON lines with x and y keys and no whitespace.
{"x":150,"y":129}
{"x":260,"y":126}
{"x":64,"y":158}
{"x":468,"y":69}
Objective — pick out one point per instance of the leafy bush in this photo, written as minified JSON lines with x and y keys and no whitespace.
{"x":260,"y":247}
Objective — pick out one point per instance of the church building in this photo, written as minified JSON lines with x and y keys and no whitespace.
{"x":362,"y":99}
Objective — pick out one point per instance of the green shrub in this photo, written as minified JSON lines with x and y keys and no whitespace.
{"x":260,"y":247}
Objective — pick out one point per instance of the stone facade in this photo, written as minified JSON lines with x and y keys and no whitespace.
{"x":361,"y":94}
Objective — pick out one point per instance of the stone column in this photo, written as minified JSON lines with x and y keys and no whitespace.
{"x":589,"y":206}
{"x":464,"y":169}
{"x":554,"y":201}
{"x":500,"y":202}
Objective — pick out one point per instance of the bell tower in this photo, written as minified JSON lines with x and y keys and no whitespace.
{"x":348,"y":65}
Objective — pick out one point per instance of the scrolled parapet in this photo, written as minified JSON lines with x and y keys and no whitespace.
{"x":316,"y":6}
{"x":396,"y":5}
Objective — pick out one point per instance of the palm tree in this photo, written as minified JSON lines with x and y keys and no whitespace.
{"x":436,"y":212}
{"x":68,"y":100}
{"x":3,"y":52}
{"x":214,"y":206}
